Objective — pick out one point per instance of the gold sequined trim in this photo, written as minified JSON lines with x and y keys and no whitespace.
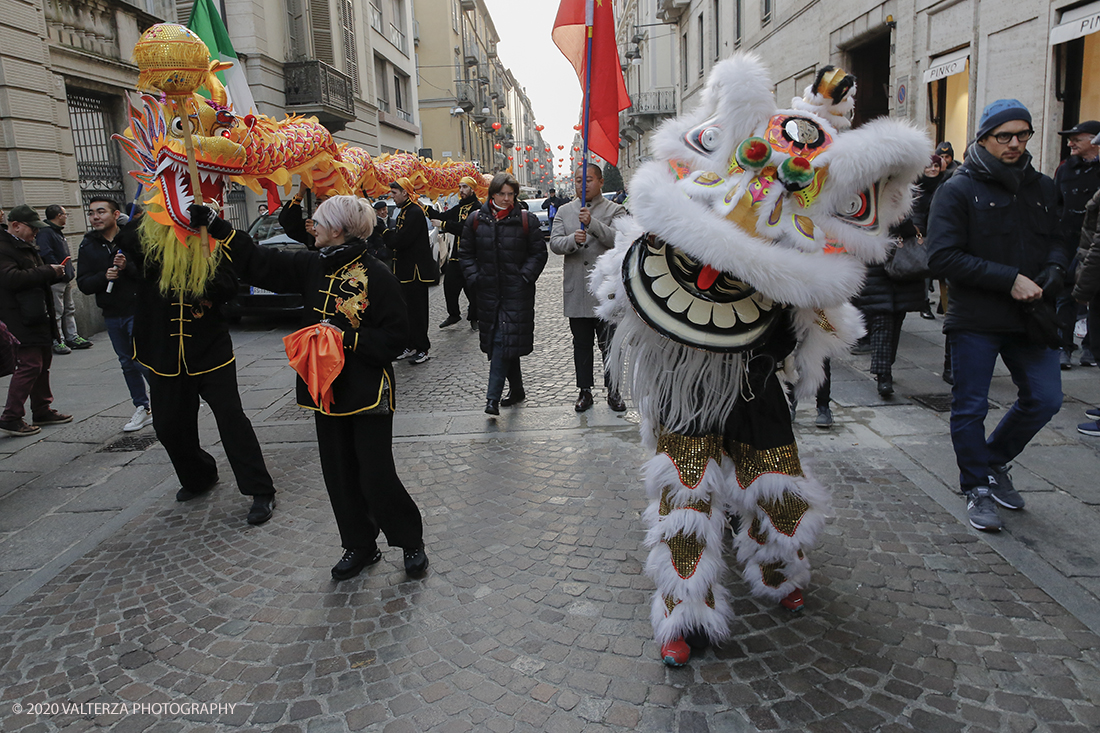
{"x":823,"y":323}
{"x":751,"y":463}
{"x":786,"y":512}
{"x":690,"y":454}
{"x":756,"y":533}
{"x":686,"y":551}
{"x":801,"y":555}
{"x":671,"y":604}
{"x":666,"y":506}
{"x":771,"y":575}
{"x":709,"y":600}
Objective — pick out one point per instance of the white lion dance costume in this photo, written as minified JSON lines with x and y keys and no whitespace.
{"x":756,"y":221}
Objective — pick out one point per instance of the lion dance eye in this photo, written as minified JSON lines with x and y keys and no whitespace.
{"x":861,"y":209}
{"x":704,"y":139}
{"x":226,"y":133}
{"x":177,"y":125}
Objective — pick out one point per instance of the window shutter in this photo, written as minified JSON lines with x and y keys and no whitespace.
{"x":347,"y":21}
{"x":322,"y":31}
{"x":297,"y":46}
{"x":183,"y":11}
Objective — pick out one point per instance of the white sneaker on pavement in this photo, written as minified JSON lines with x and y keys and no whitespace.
{"x":142,"y":416}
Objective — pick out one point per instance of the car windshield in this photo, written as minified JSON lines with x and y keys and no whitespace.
{"x":266,"y":227}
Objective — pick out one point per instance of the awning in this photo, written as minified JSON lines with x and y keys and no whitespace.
{"x":948,"y":65}
{"x":1076,"y":23}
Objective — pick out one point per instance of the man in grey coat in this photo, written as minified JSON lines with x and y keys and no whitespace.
{"x":582,"y":234}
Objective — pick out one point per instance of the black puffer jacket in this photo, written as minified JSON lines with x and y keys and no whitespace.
{"x":26,"y":301}
{"x":501,"y":264}
{"x":981,"y":235}
{"x":1088,"y":253}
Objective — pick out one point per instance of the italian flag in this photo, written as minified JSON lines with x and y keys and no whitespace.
{"x":208,"y":25}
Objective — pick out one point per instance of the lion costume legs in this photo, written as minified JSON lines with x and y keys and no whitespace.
{"x":752,"y":469}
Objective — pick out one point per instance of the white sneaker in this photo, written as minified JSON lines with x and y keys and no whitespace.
{"x":406,"y":354}
{"x":142,"y":416}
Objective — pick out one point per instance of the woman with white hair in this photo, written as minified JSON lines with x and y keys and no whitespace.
{"x":355,"y":429}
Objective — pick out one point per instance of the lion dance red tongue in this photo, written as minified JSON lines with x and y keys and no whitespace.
{"x":255,"y":150}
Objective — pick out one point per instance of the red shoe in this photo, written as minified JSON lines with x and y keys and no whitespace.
{"x":793,"y":602}
{"x":676,"y":652}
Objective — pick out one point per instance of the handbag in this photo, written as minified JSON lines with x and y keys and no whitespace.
{"x":909,"y":260}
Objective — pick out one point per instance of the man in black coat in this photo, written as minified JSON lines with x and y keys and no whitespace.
{"x":104,"y":274}
{"x":183,"y":340}
{"x":26,"y":307}
{"x":993,"y":233}
{"x":54,"y":249}
{"x":415,"y":266}
{"x":1078,"y":178}
{"x":451,"y":222}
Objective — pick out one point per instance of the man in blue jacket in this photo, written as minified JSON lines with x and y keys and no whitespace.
{"x":993,"y":232}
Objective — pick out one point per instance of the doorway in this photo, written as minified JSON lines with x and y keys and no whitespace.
{"x":870,"y":63}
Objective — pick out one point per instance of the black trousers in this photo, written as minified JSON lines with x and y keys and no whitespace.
{"x":416,"y":301}
{"x":454,"y":282}
{"x":366,"y":494}
{"x":176,"y":421}
{"x":584,"y":329}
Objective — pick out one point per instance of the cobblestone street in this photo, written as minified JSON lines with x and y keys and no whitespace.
{"x":534,"y":613}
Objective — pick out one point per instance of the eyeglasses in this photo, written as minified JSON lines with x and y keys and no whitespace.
{"x":1004,"y":138}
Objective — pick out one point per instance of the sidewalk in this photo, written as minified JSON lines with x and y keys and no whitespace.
{"x":534,"y":615}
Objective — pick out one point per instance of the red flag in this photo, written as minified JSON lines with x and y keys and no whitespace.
{"x":608,"y":93}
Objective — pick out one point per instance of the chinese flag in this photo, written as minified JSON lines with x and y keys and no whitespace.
{"x":608,"y":93}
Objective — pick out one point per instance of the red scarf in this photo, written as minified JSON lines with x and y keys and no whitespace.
{"x":500,"y":213}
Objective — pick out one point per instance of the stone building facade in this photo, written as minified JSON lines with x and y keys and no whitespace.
{"x":935,"y":62}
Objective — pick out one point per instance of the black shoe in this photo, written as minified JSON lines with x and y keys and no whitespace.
{"x":263,"y":506}
{"x":451,"y":320}
{"x":927,"y":314}
{"x":416,"y":562}
{"x":885,"y":385}
{"x":1087,"y":359}
{"x":948,"y":377}
{"x":1065,"y":359}
{"x":189,"y":494}
{"x":353,"y":562}
{"x":584,"y":400}
{"x":981,"y":510}
{"x":513,"y":398}
{"x":615,"y":402}
{"x":473,"y":325}
{"x":492,"y":407}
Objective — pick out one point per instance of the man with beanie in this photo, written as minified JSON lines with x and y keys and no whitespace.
{"x":993,"y":233}
{"x":415,"y":266}
{"x":451,"y":222}
{"x":947,"y":157}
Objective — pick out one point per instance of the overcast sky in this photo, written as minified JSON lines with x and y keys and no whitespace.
{"x":551,"y":84}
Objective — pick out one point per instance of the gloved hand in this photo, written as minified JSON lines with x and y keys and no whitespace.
{"x":204,"y":216}
{"x":1051,"y":279}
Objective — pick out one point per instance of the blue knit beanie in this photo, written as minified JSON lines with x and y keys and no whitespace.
{"x":997,"y":113}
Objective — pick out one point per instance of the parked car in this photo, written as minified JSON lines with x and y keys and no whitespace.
{"x":543,"y":215}
{"x":253,"y":301}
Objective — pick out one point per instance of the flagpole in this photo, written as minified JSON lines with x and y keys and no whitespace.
{"x":588,"y":22}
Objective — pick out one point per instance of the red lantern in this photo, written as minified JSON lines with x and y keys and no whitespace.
{"x":576,"y":148}
{"x":509,"y":157}
{"x":577,"y":127}
{"x":540,"y":128}
{"x":561,"y":147}
{"x":541,"y":165}
{"x":529,"y":148}
{"x":519,"y":148}
{"x":497,"y":146}
{"x":496,"y":125}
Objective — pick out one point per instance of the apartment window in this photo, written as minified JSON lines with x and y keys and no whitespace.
{"x":454,"y":15}
{"x":701,"y":41}
{"x":296,"y":24}
{"x":376,"y":17}
{"x":766,"y":12}
{"x":684,"y":59}
{"x":737,"y":23}
{"x":401,"y":96}
{"x":380,"y":82}
{"x":397,"y":26}
{"x":717,"y":32}
{"x":347,"y":23}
